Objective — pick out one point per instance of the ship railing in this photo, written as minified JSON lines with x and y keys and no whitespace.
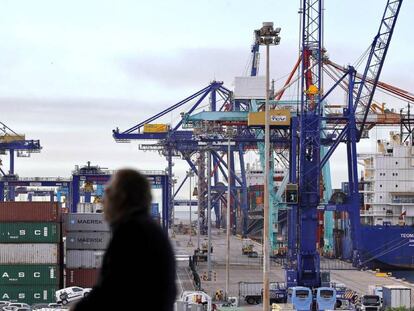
{"x":367,"y":189}
{"x":374,"y":213}
{"x":145,"y":172}
{"x":411,"y":201}
{"x":60,"y":179}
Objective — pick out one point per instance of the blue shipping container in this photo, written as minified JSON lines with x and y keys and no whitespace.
{"x":155,"y":209}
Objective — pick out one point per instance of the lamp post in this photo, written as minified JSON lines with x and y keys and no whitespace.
{"x":190,"y":242}
{"x":267,"y":36}
{"x":209,"y":213}
{"x":174,"y":181}
{"x":229,"y":136}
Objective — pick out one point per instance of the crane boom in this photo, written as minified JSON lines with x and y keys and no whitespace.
{"x":375,"y":62}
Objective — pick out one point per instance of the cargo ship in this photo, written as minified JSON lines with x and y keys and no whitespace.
{"x":387,"y":207}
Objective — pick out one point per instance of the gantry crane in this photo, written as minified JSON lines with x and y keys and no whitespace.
{"x":313,"y":136}
{"x":177,"y":141}
{"x":307,"y":129}
{"x":11,"y":142}
{"x":16,"y":145}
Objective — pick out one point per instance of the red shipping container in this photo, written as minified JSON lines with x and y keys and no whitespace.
{"x":29,"y":211}
{"x":81,"y":277}
{"x":256,"y":188}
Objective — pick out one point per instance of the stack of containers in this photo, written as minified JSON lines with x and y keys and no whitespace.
{"x":30,"y":247}
{"x":87,"y":236}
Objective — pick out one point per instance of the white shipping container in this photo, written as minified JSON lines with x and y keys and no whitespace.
{"x":375,"y":290}
{"x":410,"y":185}
{"x":86,"y":222}
{"x":409,"y":211}
{"x":29,"y":253}
{"x":396,"y":296}
{"x":84,"y":208}
{"x":401,"y":151}
{"x":89,"y":208}
{"x":84,"y":259}
{"x":249,"y":87}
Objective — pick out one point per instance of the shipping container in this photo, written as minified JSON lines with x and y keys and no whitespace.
{"x":155,"y":128}
{"x":86,"y":222}
{"x":29,"y":274}
{"x":259,"y":200}
{"x":279,"y":117}
{"x":29,"y":211}
{"x":87,"y":240}
{"x":29,"y":294}
{"x":28,"y":253}
{"x":8,"y":138}
{"x":81,"y":277}
{"x":84,"y":259}
{"x":249,"y":87}
{"x":259,"y":188}
{"x":89,"y":208}
{"x":396,"y":296}
{"x":84,"y":208}
{"x":155,"y":209}
{"x":29,"y":232}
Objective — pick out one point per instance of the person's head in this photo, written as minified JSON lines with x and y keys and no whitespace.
{"x":128,"y":190}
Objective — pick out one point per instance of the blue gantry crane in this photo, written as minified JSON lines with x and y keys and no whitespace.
{"x":16,"y":145}
{"x":12,"y":142}
{"x":311,"y":138}
{"x":306,"y":162}
{"x":177,"y":141}
{"x":197,"y":132}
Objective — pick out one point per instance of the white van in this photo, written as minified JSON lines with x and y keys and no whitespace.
{"x":69,"y":294}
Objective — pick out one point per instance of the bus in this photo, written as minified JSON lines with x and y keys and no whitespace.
{"x":300,"y":297}
{"x":325,"y":298}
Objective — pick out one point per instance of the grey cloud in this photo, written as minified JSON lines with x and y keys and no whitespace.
{"x":196,"y":67}
{"x":188,"y":67}
{"x":55,"y":115}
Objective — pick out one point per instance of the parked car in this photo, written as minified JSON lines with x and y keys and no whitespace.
{"x":19,"y":305}
{"x":253,"y":255}
{"x":10,"y":308}
{"x":69,"y":294}
{"x":39,"y":306}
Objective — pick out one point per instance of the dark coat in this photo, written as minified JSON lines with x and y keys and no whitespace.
{"x":138,"y":269}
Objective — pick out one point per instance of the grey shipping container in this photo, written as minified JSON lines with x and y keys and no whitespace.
{"x":87,"y":240}
{"x":396,"y":296}
{"x":83,"y":259}
{"x":85,"y":222}
{"x":29,"y":253}
{"x":252,"y":291}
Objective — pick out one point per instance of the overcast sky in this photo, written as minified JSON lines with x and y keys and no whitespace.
{"x":71,"y":71}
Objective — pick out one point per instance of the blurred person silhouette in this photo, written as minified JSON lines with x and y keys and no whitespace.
{"x":138,"y":268}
